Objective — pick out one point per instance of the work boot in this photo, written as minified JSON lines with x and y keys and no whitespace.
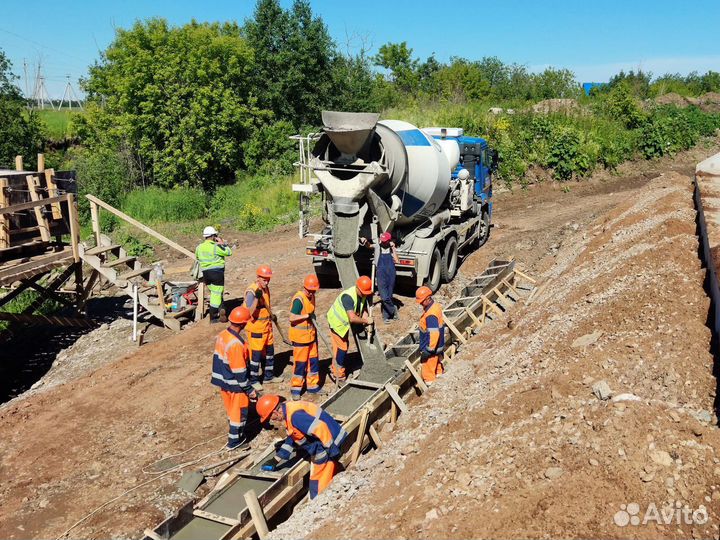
{"x":223,"y":315}
{"x":257,"y":385}
{"x":295,"y":397}
{"x":276,"y":379}
{"x":240,"y":445}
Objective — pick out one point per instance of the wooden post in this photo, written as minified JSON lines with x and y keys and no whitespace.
{"x":74,"y":227}
{"x":41,"y":162}
{"x":256,"y":513}
{"x":375,"y":436}
{"x":200,"y":309}
{"x":18,"y":163}
{"x":473,"y":317}
{"x":357,"y":448}
{"x":42,"y":222}
{"x":4,"y":220}
{"x":392,"y":392}
{"x":52,"y":192}
{"x":492,"y":306}
{"x":95,"y":219}
{"x":418,"y":379}
{"x":525,"y":276}
{"x":455,"y":331}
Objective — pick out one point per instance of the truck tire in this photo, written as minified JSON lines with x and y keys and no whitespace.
{"x":449,"y":266}
{"x":435,"y":272}
{"x":484,"y":230}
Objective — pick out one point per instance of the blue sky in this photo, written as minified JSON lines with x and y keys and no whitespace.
{"x":594,"y":39}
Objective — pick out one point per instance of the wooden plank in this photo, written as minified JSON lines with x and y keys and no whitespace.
{"x":142,"y":227}
{"x":25,"y":284}
{"x":418,"y":379}
{"x":525,"y":276}
{"x":256,"y":513}
{"x":455,"y":331}
{"x":477,"y":322}
{"x":511,"y":287}
{"x":492,"y":306}
{"x":215,"y":517}
{"x":32,"y":183}
{"x":18,"y":163}
{"x":74,"y":227}
{"x":375,"y":436}
{"x":49,"y":320}
{"x":97,"y":250}
{"x":358,"y":446}
{"x":52,"y":192}
{"x":32,"y":204}
{"x":95,"y":220}
{"x":41,"y":162}
{"x":34,"y":265}
{"x":4,"y":222}
{"x":200,"y":311}
{"x":118,"y":262}
{"x":135,"y":273}
{"x":392,"y":392}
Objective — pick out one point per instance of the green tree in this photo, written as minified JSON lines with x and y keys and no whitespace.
{"x":294,"y":56}
{"x":177,"y":99}
{"x":397,"y":58}
{"x":20,"y":128}
{"x":555,"y":83}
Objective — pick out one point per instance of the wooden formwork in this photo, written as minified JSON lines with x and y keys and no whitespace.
{"x":360,"y":406}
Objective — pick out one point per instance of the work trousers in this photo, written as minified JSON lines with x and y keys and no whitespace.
{"x":236,"y":407}
{"x":431,"y":368}
{"x":386,"y":284}
{"x":262,"y":351}
{"x":306,"y":368}
{"x":340,"y":349}
{"x":215,"y":281}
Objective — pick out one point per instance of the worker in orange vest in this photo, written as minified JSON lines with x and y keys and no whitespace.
{"x":303,"y":335}
{"x":230,"y":373}
{"x":432,"y":335}
{"x":311,"y":430}
{"x":259,"y":328}
{"x":350,"y":307}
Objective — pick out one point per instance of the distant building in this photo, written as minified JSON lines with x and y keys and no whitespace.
{"x":587,"y":86}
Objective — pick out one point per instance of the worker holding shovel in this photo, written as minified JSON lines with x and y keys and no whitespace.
{"x":303,"y":335}
{"x":385,"y":259}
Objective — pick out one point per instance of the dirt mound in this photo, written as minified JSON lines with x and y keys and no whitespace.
{"x":594,"y":407}
{"x":671,"y":98}
{"x":709,"y":102}
{"x":555,"y":105}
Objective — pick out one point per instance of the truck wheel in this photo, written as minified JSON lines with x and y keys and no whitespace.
{"x":484,"y":230}
{"x":433,"y":279}
{"x":449,"y":265}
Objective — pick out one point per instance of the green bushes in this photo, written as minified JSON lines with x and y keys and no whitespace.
{"x":670,"y":130}
{"x":155,"y":205}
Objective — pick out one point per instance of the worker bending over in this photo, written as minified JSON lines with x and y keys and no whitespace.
{"x":211,"y":256}
{"x":230,"y":373}
{"x":351,"y":307}
{"x":259,"y":329}
{"x":303,"y":335}
{"x":310,"y":430}
{"x":432,"y":335}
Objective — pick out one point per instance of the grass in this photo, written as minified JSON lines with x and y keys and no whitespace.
{"x":24,"y":299}
{"x":57,"y":123}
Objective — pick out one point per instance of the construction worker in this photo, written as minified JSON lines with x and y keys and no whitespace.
{"x":230,"y":373}
{"x":432,"y":335}
{"x":350,"y":307}
{"x":385,"y":259}
{"x":259,"y":329}
{"x":303,"y":335}
{"x":211,"y":256}
{"x":311,"y":430}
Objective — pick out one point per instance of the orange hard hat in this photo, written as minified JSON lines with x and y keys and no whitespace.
{"x":240,"y":315}
{"x":311,"y":283}
{"x":266,"y":405}
{"x":422,"y":294}
{"x":264,"y":271}
{"x":364,"y":285}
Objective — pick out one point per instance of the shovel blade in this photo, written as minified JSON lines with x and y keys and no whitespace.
{"x":190,"y":481}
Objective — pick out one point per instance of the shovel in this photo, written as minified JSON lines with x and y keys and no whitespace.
{"x":191,"y":480}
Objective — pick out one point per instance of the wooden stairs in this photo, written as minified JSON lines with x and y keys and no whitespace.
{"x":124,"y":271}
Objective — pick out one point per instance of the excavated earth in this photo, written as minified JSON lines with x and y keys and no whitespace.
{"x":512,"y":441}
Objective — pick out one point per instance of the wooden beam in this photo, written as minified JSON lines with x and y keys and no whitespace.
{"x":357,"y":447}
{"x":46,"y":262}
{"x":52,"y":192}
{"x":32,"y":204}
{"x":200,"y":311}
{"x":32,"y":183}
{"x":256,"y":513}
{"x":492,"y":306}
{"x":375,"y":436}
{"x":511,"y":287}
{"x":50,"y":320}
{"x":95,"y":220}
{"x":142,"y":227}
{"x":41,"y":162}
{"x":477,"y":322}
{"x":525,"y":276}
{"x":74,"y":227}
{"x":25,"y":284}
{"x":18,"y":163}
{"x":392,"y":392}
{"x":4,"y":222}
{"x":455,"y":331}
{"x":418,"y":379}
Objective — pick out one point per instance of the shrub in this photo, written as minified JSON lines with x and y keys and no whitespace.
{"x":270,"y":150}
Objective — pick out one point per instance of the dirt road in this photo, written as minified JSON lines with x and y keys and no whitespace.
{"x":67,"y":449}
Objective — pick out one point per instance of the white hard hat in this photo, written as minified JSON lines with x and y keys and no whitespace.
{"x":209,"y":231}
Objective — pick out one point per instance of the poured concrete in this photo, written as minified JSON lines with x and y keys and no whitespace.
{"x":201,"y":529}
{"x":348,"y":400}
{"x":232,"y":501}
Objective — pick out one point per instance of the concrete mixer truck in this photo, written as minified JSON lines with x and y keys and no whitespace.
{"x":431,"y":188}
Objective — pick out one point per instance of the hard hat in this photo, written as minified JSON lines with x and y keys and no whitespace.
{"x":264,"y":271}
{"x":422,"y":294}
{"x":240,"y":315}
{"x":209,"y":231}
{"x":266,"y":405}
{"x":311,"y":283}
{"x":364,"y":285}
{"x":385,"y":237}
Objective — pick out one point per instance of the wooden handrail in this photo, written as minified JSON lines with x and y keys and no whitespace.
{"x":140,"y":226}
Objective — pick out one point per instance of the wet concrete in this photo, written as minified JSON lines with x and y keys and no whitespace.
{"x":201,"y":529}
{"x":232,"y":501}
{"x":348,"y":400}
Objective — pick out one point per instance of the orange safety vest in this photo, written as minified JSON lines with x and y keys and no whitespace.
{"x":260,"y":317}
{"x":303,"y":332}
{"x":432,"y":339}
{"x":323,"y":427}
